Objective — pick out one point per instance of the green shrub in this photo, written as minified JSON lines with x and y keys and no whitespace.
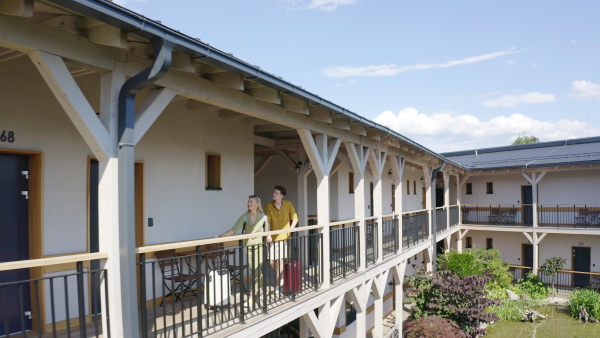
{"x":477,"y":262}
{"x":590,"y":299}
{"x":433,"y":327}
{"x":508,"y":310}
{"x":532,"y":286}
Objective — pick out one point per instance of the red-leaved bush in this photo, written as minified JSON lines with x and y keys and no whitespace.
{"x":433,"y":327}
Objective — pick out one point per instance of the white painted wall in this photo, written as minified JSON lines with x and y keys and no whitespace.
{"x":561,"y":187}
{"x":553,"y":245}
{"x":345,"y":199}
{"x":276,"y":172}
{"x":574,"y":187}
{"x":30,"y":110}
{"x":412,"y":201}
{"x":173,"y":151}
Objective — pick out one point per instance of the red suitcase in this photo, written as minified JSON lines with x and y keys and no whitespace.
{"x":292,"y":277}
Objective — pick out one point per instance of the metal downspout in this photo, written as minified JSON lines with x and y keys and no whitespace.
{"x":434,"y":218}
{"x":126,"y":155}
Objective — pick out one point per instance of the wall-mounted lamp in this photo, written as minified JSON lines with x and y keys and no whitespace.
{"x":298,"y":166}
{"x":422,"y":180}
{"x":308,"y":165}
{"x":413,"y":265}
{"x":390,"y":174}
{"x":391,"y":285}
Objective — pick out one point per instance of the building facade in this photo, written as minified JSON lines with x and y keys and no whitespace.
{"x":123,"y":140}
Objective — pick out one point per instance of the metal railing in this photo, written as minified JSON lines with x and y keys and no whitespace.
{"x":558,"y":215}
{"x":501,"y":214}
{"x":572,"y":216}
{"x":565,"y":280}
{"x":200,"y":291}
{"x":390,"y":236}
{"x":415,"y":228}
{"x":441,"y":219}
{"x":67,"y":299}
{"x":345,"y":248}
{"x":371,"y":240}
{"x":454,"y":215}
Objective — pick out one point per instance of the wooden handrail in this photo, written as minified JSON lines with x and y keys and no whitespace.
{"x":40,"y":262}
{"x":206,"y":241}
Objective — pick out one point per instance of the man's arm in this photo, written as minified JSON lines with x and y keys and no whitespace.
{"x":293,"y":216}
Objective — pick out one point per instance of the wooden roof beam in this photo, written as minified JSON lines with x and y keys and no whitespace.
{"x":320,"y":114}
{"x":341,"y":122}
{"x":228,"y":114}
{"x":104,"y":34}
{"x":194,"y":105}
{"x":358,"y":128}
{"x":183,"y":62}
{"x":226,"y":79}
{"x":265,"y":94}
{"x":294,"y":105}
{"x":264,"y":141}
{"x":23,"y":8}
{"x":270,"y":127}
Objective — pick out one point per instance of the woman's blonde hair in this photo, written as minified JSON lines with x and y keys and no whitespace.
{"x":257,"y":201}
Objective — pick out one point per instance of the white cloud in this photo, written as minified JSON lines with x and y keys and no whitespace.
{"x":509,"y":62}
{"x":329,"y":5}
{"x":392,"y":69}
{"x":448,"y":131}
{"x":584,"y":90}
{"x":507,"y":101}
{"x":353,"y":81}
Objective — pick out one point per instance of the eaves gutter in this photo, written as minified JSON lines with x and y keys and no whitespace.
{"x":522,"y":166}
{"x":131,"y":22}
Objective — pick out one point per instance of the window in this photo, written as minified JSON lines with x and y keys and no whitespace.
{"x":351,"y":183}
{"x":350,"y":313}
{"x":469,"y":242}
{"x":489,"y":244}
{"x":415,"y":187}
{"x":407,"y":187}
{"x":469,"y":188}
{"x":489,"y":188}
{"x":213,"y":171}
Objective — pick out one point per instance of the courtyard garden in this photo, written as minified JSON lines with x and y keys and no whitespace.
{"x":472,"y":294}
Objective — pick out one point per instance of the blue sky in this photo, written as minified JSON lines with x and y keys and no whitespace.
{"x":450,"y":75}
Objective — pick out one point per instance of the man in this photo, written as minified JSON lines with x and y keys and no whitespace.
{"x":281,"y":215}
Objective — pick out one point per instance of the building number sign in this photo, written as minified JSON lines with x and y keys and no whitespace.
{"x":7,"y":136}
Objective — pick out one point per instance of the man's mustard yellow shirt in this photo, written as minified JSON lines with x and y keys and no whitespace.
{"x":282,"y":218}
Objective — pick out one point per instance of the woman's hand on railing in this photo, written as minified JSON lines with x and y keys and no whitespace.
{"x":269,"y":239}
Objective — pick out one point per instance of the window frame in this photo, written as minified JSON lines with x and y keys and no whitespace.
{"x":469,"y":189}
{"x":212,"y":171}
{"x":351,"y":182}
{"x":489,"y":188}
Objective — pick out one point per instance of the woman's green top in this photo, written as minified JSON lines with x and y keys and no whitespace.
{"x":245,"y":221}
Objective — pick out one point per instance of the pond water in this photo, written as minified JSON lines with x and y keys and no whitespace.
{"x":558,"y":324}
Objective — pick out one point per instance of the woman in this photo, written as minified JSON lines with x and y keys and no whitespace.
{"x":253,"y":221}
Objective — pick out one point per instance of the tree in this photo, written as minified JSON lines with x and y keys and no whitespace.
{"x":552,"y":266}
{"x":476,"y":262}
{"x":524,"y":139}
